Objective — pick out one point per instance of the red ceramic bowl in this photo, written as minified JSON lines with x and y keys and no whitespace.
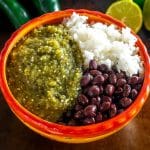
{"x":71,"y":134}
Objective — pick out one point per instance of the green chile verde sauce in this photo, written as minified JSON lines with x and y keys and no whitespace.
{"x":44,"y":71}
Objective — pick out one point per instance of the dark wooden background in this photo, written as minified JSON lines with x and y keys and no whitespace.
{"x":15,"y":136}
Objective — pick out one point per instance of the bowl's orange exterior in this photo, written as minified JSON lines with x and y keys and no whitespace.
{"x":70,"y":134}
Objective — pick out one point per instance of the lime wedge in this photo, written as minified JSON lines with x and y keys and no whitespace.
{"x":146,"y":14}
{"x":128,"y":12}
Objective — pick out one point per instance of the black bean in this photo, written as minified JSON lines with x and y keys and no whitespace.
{"x":138,"y":87}
{"x":121,"y":82}
{"x":106,"y":99}
{"x":134,"y":93}
{"x":109,"y":89}
{"x":104,"y":106}
{"x":104,"y":94}
{"x":119,"y":90}
{"x":125,"y":102}
{"x":140,"y":79}
{"x":90,"y":111}
{"x":79,"y":114}
{"x":95,"y":72}
{"x":83,"y":100}
{"x":88,"y":121}
{"x":126,"y":90}
{"x":110,"y":71}
{"x":120,"y":75}
{"x":93,"y":91}
{"x":98,"y":117}
{"x":93,"y":64}
{"x":112,"y":78}
{"x":99,"y":79}
{"x":133,"y":80}
{"x":85,"y":80}
{"x":96,"y":101}
{"x":105,"y":75}
{"x":113,"y":110}
{"x":78,"y":107}
{"x":103,"y":68}
{"x":101,"y":89}
{"x":85,"y":89}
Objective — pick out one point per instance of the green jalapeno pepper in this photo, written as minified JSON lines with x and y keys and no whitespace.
{"x":44,"y":6}
{"x":15,"y":12}
{"x":139,"y":2}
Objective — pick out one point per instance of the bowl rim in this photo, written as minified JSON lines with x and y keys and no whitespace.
{"x":46,"y":127}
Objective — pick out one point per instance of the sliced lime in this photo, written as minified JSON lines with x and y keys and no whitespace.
{"x":127,"y":12}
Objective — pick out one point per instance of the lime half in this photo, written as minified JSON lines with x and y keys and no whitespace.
{"x":146,"y":14}
{"x":128,"y":12}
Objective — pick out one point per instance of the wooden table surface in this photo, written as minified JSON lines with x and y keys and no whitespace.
{"x":16,"y":136}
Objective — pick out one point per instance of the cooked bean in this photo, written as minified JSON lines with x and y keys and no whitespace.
{"x":99,"y":79}
{"x":93,"y":64}
{"x":113,"y":110}
{"x":138,"y":87}
{"x":120,"y":75}
{"x":104,"y":106}
{"x":133,"y":80}
{"x":107,"y":99}
{"x":95,"y":72}
{"x":105,"y":75}
{"x":102,"y":68}
{"x":110,"y":71}
{"x":85,"y":89}
{"x":85,"y":80}
{"x":79,"y":114}
{"x":90,"y":111}
{"x":112,"y":78}
{"x":134,"y":93}
{"x":101,"y":89}
{"x":98,"y":117}
{"x":83,"y":100}
{"x":140,"y":79}
{"x":109,"y":89}
{"x":88,"y":121}
{"x":126,"y":90}
{"x":78,"y":107}
{"x":96,"y":101}
{"x":119,"y":90}
{"x":104,"y":94}
{"x":121,"y":82}
{"x":125,"y":102}
{"x":93,"y":91}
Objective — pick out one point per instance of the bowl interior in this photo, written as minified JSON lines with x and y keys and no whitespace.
{"x":54,"y":130}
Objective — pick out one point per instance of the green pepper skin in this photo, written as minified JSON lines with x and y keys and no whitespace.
{"x":44,"y":6}
{"x":139,"y":2}
{"x":15,"y":12}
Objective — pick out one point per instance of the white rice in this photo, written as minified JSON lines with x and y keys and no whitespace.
{"x":106,"y":44}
